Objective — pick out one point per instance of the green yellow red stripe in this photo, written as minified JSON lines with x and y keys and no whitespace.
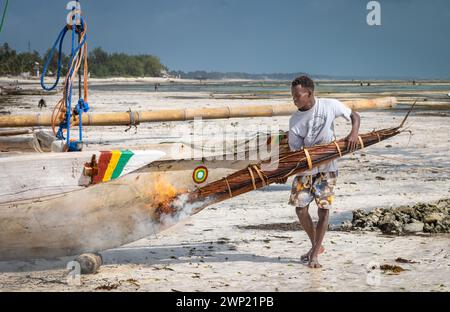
{"x":124,"y":158}
{"x":103,"y":163}
{"x":112,"y":165}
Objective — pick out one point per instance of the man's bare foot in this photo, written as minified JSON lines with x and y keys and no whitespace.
{"x":305,"y":257}
{"x":314,"y":263}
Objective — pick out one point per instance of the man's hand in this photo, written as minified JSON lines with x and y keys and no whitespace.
{"x":352,"y":141}
{"x":352,"y":138}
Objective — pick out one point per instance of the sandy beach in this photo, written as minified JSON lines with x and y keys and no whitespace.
{"x":249,"y":243}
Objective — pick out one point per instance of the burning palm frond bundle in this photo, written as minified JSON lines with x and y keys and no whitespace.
{"x":265,"y":173}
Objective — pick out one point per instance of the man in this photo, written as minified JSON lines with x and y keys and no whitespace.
{"x":312,"y":124}
{"x":42,"y":104}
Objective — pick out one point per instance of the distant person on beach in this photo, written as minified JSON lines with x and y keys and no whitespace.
{"x":42,"y":104}
{"x":312,"y":124}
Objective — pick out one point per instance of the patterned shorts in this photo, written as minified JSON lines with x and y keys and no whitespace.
{"x":318,"y":187}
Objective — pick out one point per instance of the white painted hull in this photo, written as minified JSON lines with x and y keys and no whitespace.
{"x":59,"y":213}
{"x":101,"y":216}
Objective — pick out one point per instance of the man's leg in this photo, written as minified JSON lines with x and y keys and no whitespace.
{"x":322,"y":227}
{"x":301,"y":197}
{"x":323,"y":192}
{"x":306,"y":222}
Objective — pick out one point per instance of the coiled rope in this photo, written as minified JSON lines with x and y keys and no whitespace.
{"x":62,"y":113}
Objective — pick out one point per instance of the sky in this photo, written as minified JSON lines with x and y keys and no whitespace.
{"x":328,"y":37}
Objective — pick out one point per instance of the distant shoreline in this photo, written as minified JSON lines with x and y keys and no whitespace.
{"x":131,"y":80}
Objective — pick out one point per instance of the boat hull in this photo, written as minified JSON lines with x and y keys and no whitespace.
{"x":105,"y":215}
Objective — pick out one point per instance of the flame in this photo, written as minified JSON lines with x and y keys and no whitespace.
{"x":163,"y":190}
{"x":163,"y":194}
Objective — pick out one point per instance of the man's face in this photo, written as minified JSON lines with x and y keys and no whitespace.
{"x":301,"y":96}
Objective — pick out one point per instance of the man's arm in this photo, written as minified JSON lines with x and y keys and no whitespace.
{"x":295,"y":142}
{"x":352,"y":138}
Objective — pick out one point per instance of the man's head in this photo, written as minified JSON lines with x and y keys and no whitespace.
{"x":302,"y":90}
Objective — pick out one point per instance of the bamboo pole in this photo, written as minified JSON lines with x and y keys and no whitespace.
{"x":135,"y":117}
{"x":15,"y":132}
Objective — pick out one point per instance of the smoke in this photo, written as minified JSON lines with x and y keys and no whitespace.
{"x":183,"y":208}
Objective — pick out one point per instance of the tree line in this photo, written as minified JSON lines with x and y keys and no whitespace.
{"x":101,"y":63}
{"x":204,"y":75}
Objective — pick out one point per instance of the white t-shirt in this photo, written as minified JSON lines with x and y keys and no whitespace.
{"x":316,"y":126}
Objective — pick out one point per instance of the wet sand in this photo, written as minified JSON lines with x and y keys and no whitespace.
{"x":219,"y":250}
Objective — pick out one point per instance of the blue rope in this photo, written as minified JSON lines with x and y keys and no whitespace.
{"x":60,"y":41}
{"x":69,"y":97}
{"x":69,"y":90}
{"x":81,"y":106}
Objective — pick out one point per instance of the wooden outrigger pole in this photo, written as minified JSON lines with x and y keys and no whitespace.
{"x":137,"y":117}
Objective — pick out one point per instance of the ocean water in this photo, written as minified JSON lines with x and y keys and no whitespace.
{"x":433,"y":92}
{"x":275,"y":88}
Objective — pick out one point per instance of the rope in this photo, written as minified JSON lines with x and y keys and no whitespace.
{"x":361,"y":142}
{"x":308,"y":158}
{"x":62,"y":113}
{"x":339,"y":149}
{"x":59,"y":41}
{"x":229,"y":188}
{"x":132,"y":121}
{"x":4,"y":15}
{"x":260,"y":174}
{"x":252,"y":176}
{"x":86,"y":73}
